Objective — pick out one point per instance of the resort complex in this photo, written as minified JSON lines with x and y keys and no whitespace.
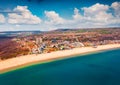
{"x":62,"y":39}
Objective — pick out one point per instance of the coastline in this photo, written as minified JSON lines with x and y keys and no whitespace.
{"x":27,"y":60}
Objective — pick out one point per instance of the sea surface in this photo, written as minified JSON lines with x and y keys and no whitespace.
{"x":102,"y":68}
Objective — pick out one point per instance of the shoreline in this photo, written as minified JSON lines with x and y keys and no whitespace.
{"x":28,"y":60}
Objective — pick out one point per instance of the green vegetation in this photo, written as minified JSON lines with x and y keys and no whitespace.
{"x":81,"y":30}
{"x":105,"y":31}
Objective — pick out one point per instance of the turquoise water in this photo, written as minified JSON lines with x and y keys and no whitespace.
{"x":94,"y":69}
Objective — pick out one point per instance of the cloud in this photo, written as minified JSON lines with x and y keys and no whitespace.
{"x":2,"y":19}
{"x":77,"y":15}
{"x":97,"y":15}
{"x":116,"y":7}
{"x":22,"y":16}
{"x":2,"y":10}
{"x":53,"y":18}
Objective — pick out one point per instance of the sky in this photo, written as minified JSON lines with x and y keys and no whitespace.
{"x":45,"y":15}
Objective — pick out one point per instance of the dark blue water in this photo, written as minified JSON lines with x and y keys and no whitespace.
{"x":94,"y":69}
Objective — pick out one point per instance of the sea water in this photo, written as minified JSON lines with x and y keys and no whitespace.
{"x":102,"y":68}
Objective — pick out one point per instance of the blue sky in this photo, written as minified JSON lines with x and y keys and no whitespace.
{"x":54,"y":14}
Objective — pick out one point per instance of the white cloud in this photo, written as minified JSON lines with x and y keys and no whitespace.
{"x":116,"y":7}
{"x":17,"y":25}
{"x":22,"y":16}
{"x":97,"y":13}
{"x":77,"y":15}
{"x":95,"y":9}
{"x":53,"y":18}
{"x":2,"y":19}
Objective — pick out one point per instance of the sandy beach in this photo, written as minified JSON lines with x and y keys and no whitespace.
{"x":21,"y":61}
